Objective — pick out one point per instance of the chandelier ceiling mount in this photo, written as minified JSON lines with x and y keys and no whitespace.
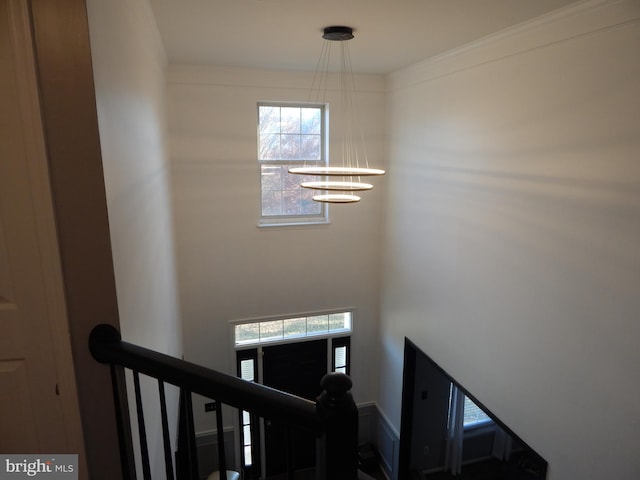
{"x":354,"y":158}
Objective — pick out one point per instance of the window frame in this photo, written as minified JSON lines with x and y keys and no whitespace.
{"x":254,"y":464}
{"x":346,"y":330}
{"x":482,"y":422}
{"x":340,"y":342}
{"x":291,"y":219}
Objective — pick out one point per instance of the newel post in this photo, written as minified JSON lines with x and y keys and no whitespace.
{"x":337,"y":452}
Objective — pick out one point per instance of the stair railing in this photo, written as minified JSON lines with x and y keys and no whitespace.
{"x":333,"y":417}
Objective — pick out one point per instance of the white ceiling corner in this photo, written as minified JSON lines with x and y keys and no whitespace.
{"x":286,"y":34}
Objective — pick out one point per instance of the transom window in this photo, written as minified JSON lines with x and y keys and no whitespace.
{"x":289,"y":135}
{"x":266,"y":331}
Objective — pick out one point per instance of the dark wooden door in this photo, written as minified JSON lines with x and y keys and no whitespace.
{"x":295,"y":368}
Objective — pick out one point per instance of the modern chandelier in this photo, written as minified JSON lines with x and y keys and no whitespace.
{"x":344,"y":179}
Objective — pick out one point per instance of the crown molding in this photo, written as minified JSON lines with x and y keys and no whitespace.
{"x":238,"y":77}
{"x":567,"y":23}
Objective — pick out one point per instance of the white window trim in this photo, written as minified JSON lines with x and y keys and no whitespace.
{"x":295,"y":220}
{"x":292,"y":221}
{"x":294,"y":338}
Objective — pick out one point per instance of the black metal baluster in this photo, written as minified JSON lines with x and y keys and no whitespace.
{"x":222,"y":458}
{"x":144,"y":449}
{"x":188,"y":438}
{"x":256,"y":464}
{"x":290,"y":453}
{"x":123,"y":422}
{"x":168,"y":462}
{"x":183,"y":455}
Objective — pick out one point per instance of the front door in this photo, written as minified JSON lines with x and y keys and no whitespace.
{"x":295,"y":368}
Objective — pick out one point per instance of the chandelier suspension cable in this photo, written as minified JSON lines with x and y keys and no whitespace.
{"x":354,"y":160}
{"x":319,"y":81}
{"x":319,"y":87}
{"x":321,"y":75}
{"x":346,"y":114}
{"x":352,"y":98}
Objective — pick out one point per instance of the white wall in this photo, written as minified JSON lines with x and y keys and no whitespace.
{"x":129,"y":65}
{"x":512,"y":249}
{"x":230,"y":269}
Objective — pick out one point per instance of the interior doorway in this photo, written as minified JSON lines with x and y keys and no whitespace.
{"x":443,"y":437}
{"x":296,"y":367}
{"x":292,"y":354}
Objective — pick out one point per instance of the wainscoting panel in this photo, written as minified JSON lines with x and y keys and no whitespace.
{"x":207,"y":445}
{"x":374,"y":428}
{"x":388,"y":442}
{"x":367,"y":421}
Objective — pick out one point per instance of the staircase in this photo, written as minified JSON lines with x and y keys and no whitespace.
{"x":332,"y":418}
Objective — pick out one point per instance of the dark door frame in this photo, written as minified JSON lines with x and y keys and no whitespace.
{"x":407,"y":408}
{"x":299,"y":378}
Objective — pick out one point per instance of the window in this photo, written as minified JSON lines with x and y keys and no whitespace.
{"x":473,"y":415}
{"x":289,"y":135}
{"x":248,"y":370}
{"x":265,"y":331}
{"x":340,"y":358}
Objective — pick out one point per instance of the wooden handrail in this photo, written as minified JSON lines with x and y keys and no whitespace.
{"x":333,"y":417}
{"x":107,"y":346}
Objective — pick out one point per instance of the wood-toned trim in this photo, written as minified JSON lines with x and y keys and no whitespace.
{"x":63,"y":62}
{"x":36,"y":157}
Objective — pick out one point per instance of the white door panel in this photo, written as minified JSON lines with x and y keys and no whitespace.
{"x":34,"y":413}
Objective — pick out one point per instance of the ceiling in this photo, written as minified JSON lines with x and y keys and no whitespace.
{"x":286,"y":34}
